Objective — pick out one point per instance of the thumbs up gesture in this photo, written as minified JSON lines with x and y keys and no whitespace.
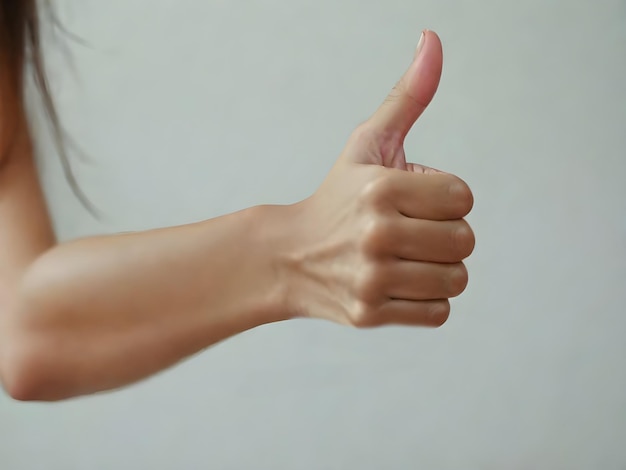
{"x":382,"y":240}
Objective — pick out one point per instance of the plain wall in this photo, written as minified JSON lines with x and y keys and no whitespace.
{"x":191,"y":109}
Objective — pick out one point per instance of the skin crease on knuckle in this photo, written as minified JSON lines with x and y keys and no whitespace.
{"x":390,"y":143}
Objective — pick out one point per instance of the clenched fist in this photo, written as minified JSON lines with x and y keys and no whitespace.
{"x":382,"y":240}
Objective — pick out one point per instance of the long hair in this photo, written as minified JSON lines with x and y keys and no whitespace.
{"x":20,"y":50}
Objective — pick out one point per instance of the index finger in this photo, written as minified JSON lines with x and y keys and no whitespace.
{"x":429,"y":196}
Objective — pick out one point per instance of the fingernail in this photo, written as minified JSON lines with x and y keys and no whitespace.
{"x":420,"y":44}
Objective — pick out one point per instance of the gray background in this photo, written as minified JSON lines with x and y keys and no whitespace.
{"x":190,"y":109}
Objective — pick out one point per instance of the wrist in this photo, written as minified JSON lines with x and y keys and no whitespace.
{"x":272,"y":237}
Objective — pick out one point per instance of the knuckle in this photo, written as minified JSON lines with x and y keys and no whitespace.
{"x":375,"y":236}
{"x":396,"y":93}
{"x":363,"y":132}
{"x":364,"y":315}
{"x":367,"y":284}
{"x":403,"y":91}
{"x":376,"y":192}
{"x":463,"y":240}
{"x":458,"y":279}
{"x":461,"y":195}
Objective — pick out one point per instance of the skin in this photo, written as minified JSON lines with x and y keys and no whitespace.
{"x":380,"y":242}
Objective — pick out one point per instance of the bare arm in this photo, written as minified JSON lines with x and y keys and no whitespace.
{"x":98,"y":313}
{"x":380,"y":242}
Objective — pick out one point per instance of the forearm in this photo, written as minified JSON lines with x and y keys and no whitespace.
{"x":382,"y":241}
{"x":103,"y":312}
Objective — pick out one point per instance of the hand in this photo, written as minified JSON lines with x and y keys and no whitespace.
{"x":382,"y":240}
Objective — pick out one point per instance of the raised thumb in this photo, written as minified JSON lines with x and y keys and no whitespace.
{"x":412,"y":94}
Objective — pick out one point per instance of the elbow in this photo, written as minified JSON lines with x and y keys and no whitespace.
{"x":30,"y":369}
{"x":23,"y":371}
